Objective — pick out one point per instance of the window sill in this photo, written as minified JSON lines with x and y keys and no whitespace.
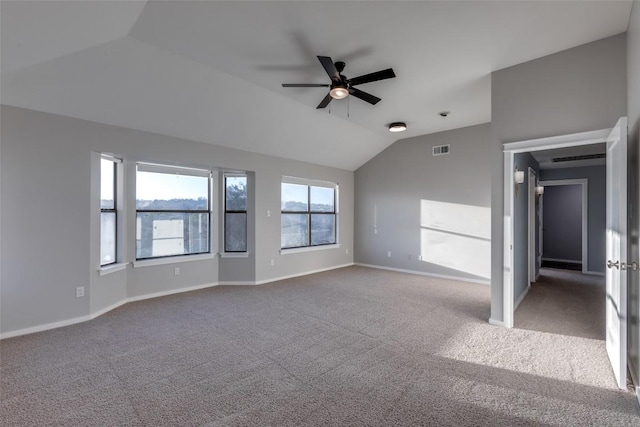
{"x":172,"y":260}
{"x":112,"y":268}
{"x":234,"y":255}
{"x":308,"y":249}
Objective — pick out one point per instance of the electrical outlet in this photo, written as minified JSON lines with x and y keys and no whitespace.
{"x":79,"y":291}
{"x":273,"y":262}
{"x":347,"y":251}
{"x":419,"y":257}
{"x":268,"y":213}
{"x":176,"y":271}
{"x":389,"y":254}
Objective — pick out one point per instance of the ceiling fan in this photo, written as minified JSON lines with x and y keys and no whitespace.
{"x":341,"y":87}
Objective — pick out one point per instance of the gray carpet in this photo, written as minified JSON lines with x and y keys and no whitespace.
{"x":565,"y":302}
{"x":355,"y":346}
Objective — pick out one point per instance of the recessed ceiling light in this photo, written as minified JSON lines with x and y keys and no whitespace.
{"x":444,"y":113}
{"x":397,"y":127}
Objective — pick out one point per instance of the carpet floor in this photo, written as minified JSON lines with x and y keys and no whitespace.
{"x":566,"y":303}
{"x":354,"y":346}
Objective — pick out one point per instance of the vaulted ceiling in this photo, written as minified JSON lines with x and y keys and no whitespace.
{"x":211,"y":71}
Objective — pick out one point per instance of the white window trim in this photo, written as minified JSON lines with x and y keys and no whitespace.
{"x":172,"y":260}
{"x":208,"y":173}
{"x":315,"y":183}
{"x":309,"y":249}
{"x":112,"y":268}
{"x":119,"y":202}
{"x":172,"y":169}
{"x":223,"y":216}
{"x":234,"y":254}
{"x":111,"y":157}
{"x":308,"y":182}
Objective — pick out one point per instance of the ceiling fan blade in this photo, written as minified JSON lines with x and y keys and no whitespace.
{"x":329,"y":67}
{"x":367,"y":78}
{"x":303,"y":85}
{"x":373,"y":100}
{"x":327,"y":99}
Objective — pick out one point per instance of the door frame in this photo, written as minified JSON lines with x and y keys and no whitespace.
{"x":531,"y":226}
{"x":584,"y":183}
{"x":509,"y":150}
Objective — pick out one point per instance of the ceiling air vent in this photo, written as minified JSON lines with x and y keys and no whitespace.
{"x":440,"y":150}
{"x":573,"y":158}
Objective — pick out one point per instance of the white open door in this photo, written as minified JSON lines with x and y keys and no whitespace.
{"x":616,"y":299}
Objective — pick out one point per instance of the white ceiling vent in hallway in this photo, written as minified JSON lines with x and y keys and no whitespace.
{"x":440,"y":150}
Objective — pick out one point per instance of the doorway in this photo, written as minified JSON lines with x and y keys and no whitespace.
{"x":510,"y":186}
{"x":565,"y":215}
{"x":616,"y":226}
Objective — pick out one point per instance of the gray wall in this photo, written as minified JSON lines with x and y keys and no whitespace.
{"x":596,"y":205}
{"x":577,"y":90}
{"x":562,"y":229}
{"x":523,"y":161}
{"x":633,"y":113}
{"x":408,"y":202}
{"x":50,"y":217}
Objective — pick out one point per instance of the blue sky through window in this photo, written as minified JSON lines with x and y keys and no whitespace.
{"x":162,"y":186}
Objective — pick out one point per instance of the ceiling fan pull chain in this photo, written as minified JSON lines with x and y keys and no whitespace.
{"x":348,"y":107}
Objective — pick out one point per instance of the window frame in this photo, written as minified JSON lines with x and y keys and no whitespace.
{"x":309,"y":213}
{"x":172,"y":169}
{"x":115,"y":161}
{"x":228,"y":211}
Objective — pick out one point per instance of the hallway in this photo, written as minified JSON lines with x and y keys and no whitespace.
{"x":565,"y":303}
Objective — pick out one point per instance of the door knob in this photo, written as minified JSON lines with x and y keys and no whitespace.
{"x":611,"y":264}
{"x":633,"y":266}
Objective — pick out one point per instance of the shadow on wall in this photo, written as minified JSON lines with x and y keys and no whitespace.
{"x":456,"y":236}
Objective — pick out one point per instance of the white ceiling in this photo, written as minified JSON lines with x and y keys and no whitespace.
{"x":212,"y":71}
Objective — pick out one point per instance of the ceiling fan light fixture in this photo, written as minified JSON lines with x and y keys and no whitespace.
{"x":397,"y":127}
{"x":339,"y":92}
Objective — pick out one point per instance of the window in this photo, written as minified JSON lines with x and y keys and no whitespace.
{"x":308,"y":213}
{"x":108,"y":210}
{"x":235,"y":213}
{"x":172,"y":211}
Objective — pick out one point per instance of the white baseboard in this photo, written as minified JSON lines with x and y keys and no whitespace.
{"x":423,"y":273}
{"x":496,"y":322}
{"x":108,"y":309}
{"x":306,"y":273}
{"x":593,"y":273}
{"x":45,"y":327}
{"x":521,"y":298}
{"x":170,"y":292}
{"x":249,"y":283}
{"x":570,"y":261}
{"x":68,"y":322}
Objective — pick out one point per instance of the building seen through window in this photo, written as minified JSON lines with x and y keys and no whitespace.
{"x":173,"y":211}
